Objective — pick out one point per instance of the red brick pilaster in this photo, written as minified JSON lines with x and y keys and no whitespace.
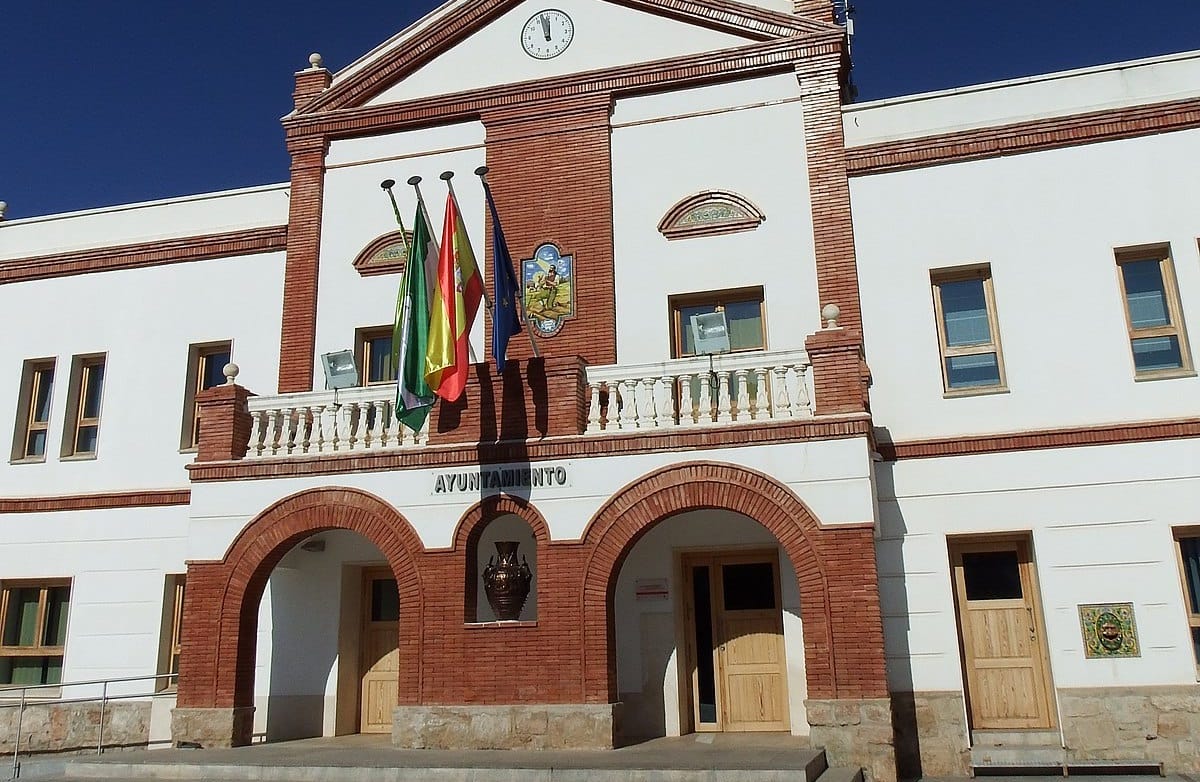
{"x":833,"y":228}
{"x":839,"y":371}
{"x":224,"y":423}
{"x":310,"y":82}
{"x":298,"y":335}
{"x":551,"y":174}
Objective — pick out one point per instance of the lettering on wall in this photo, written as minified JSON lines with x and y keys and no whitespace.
{"x":493,"y":480}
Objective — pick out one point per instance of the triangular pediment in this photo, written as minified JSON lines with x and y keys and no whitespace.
{"x":470,"y":45}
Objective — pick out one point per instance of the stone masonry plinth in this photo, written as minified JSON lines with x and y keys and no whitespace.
{"x":855,"y":732}
{"x":209,"y":728}
{"x":530,"y":726}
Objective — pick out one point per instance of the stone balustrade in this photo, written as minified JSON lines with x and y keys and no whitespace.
{"x":718,"y":390}
{"x":353,"y":419}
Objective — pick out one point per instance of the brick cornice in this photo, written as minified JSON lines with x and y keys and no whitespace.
{"x":576,"y":447}
{"x":775,"y":56}
{"x":185,"y":249}
{"x":119,"y":499}
{"x":445,"y":33}
{"x":1110,"y":434}
{"x":1022,"y":137}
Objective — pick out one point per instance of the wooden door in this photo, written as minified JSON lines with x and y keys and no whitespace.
{"x":1002,"y":636}
{"x":745,"y":686}
{"x":379,"y":663}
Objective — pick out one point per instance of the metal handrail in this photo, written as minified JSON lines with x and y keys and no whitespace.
{"x":104,"y":698}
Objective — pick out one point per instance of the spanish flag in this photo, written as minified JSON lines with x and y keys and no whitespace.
{"x":456,"y":300}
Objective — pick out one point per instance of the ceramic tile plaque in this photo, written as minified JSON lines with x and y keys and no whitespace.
{"x":1109,"y":630}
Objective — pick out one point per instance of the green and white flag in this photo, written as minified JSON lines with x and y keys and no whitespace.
{"x":411,"y":333}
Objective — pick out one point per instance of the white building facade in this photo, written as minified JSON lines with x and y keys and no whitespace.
{"x":936,"y":495}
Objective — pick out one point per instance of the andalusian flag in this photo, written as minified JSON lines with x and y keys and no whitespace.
{"x":411,"y":333}
{"x":455,"y":303}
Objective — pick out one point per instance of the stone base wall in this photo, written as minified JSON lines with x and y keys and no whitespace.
{"x":931,"y":734}
{"x":1158,"y":724}
{"x":551,"y":726}
{"x":208,"y":728}
{"x":74,"y":727}
{"x":855,"y":732}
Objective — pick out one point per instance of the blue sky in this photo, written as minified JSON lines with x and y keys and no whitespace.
{"x":121,"y":101}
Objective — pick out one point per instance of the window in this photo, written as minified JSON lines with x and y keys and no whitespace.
{"x":82,"y":432}
{"x":743,"y":310}
{"x":1188,"y":549}
{"x":172,"y":629}
{"x":33,"y":616}
{"x":968,"y":334}
{"x":373,"y":348}
{"x":1152,"y":313}
{"x":206,"y":368}
{"x":33,"y":412}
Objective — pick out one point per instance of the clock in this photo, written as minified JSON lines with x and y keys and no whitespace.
{"x":547,"y":34}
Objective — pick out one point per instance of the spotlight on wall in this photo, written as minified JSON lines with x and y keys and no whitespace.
{"x":314,"y":545}
{"x":341,"y":371}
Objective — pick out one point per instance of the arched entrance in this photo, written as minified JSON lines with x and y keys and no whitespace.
{"x":216,"y":687}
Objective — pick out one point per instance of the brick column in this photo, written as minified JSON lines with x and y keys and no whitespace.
{"x":839,"y":371}
{"x":310,"y":82}
{"x":224,"y":423}
{"x":298,"y":334}
{"x":821,"y":10}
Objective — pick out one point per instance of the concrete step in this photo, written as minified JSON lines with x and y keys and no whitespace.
{"x":191,"y":773}
{"x":1015,"y":738}
{"x":841,"y":774}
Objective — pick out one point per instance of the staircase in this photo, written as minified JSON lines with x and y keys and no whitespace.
{"x":1040,"y":752}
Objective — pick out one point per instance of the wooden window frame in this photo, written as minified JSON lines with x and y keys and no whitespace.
{"x":1177,"y":534}
{"x":171,"y":630}
{"x":78,"y":386}
{"x":676,"y":303}
{"x":26,"y":420}
{"x":362,"y":352}
{"x":39,"y":649}
{"x":1175,"y":327}
{"x":982,"y":272}
{"x":198,"y":355}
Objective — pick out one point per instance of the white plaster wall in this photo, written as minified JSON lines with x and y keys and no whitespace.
{"x":118,"y":561}
{"x":143,"y":320}
{"x":606,"y":35}
{"x":1101,"y":521}
{"x":832,"y":478}
{"x":356,"y":211}
{"x":1048,"y":224}
{"x":661,"y":155}
{"x":645,"y":629}
{"x":1152,"y":80}
{"x":296,"y":663}
{"x":193,"y":215}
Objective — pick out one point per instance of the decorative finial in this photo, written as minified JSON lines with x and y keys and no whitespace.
{"x":831,"y":312}
{"x":231,"y":372}
{"x":387,"y":184}
{"x":3,"y":209}
{"x":316,"y":60}
{"x":414,"y":180}
{"x":447,"y":175}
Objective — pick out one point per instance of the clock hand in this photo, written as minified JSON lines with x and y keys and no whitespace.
{"x":545,"y":20}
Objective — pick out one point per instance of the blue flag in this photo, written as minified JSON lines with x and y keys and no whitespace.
{"x":506,"y":321}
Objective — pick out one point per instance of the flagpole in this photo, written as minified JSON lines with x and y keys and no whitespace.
{"x":482,"y":173}
{"x":387,"y":186}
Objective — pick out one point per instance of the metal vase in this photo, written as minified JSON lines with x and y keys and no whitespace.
{"x":506,"y":582}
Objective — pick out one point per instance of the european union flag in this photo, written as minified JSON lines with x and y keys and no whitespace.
{"x":505,"y":319}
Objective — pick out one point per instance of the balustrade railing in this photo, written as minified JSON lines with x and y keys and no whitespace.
{"x":354,"y":419}
{"x":732,"y":388}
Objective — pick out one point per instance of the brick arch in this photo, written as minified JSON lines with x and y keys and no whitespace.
{"x":470,"y":528}
{"x":222,"y":597}
{"x":834,"y":567}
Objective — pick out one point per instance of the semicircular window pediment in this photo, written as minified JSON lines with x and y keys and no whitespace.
{"x":385,"y":255}
{"x":709,"y":213}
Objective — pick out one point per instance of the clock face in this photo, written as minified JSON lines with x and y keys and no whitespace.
{"x":547,"y":34}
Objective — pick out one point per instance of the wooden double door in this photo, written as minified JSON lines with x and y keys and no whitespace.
{"x":1002,"y":634}
{"x":733,"y":626}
